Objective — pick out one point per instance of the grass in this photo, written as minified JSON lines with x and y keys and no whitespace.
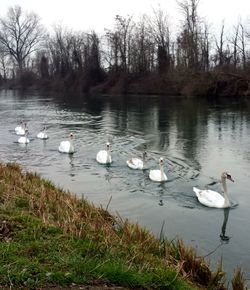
{"x":50,"y":237}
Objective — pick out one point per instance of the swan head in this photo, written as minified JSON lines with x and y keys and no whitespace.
{"x":161,"y":161}
{"x":71,"y":136}
{"x":227,"y":175}
{"x":108,"y":145}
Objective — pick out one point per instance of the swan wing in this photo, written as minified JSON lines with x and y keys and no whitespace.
{"x":155,"y":175}
{"x":66,"y":147}
{"x":18,"y":128}
{"x":20,"y":131}
{"x":209,"y":197}
{"x":23,"y":140}
{"x":135,"y":163}
{"x":42,"y":135}
{"x":103,"y":157}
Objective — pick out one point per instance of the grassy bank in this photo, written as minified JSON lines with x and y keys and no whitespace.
{"x":48,"y":237}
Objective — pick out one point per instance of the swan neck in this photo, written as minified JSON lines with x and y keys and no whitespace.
{"x":108,"y":155}
{"x":161,"y":170}
{"x":225,"y":193}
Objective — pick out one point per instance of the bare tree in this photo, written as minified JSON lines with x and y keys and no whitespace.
{"x":120,"y":43}
{"x":159,"y":28}
{"x":142,"y":48}
{"x":188,"y":41}
{"x":226,"y":52}
{"x":20,"y":34}
{"x":234,"y":41}
{"x":242,"y":44}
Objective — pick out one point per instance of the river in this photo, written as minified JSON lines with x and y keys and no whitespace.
{"x":197,"y":138}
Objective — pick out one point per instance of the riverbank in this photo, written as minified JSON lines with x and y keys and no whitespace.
{"x":50,"y":238}
{"x":207,"y":84}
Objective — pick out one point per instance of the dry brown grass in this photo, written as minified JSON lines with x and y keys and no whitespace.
{"x":238,"y":281}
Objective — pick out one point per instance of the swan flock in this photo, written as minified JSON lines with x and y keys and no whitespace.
{"x":207,"y":197}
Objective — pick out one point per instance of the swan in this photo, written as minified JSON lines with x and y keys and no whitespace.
{"x":158,"y":174}
{"x":42,"y":135}
{"x":212,"y":198}
{"x":67,"y":146}
{"x":103,"y":156}
{"x":20,"y":130}
{"x":24,"y":139}
{"x":137,"y":163}
{"x":19,"y":127}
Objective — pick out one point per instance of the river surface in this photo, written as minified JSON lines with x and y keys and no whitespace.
{"x":198,"y":140}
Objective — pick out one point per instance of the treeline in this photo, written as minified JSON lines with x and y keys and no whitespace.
{"x":148,"y":56}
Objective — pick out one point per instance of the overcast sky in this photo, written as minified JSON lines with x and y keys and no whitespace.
{"x":86,"y":15}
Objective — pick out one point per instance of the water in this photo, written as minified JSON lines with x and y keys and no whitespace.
{"x":198,"y":140}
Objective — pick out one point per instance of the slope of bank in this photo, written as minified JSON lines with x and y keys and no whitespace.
{"x":214,"y":84}
{"x":51,"y":239}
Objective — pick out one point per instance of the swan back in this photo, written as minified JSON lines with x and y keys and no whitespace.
{"x":24,"y":139}
{"x":158,"y":174}
{"x":103,"y":156}
{"x":42,"y":134}
{"x":137,"y":163}
{"x":21,"y":129}
{"x":67,"y":146}
{"x":209,"y":198}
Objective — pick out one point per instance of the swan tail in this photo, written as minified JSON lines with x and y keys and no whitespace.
{"x":197,"y":191}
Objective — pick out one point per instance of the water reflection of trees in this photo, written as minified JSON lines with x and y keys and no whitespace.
{"x":181,"y":124}
{"x":186,"y":125}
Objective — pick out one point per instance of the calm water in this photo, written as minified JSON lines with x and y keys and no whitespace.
{"x":197,"y":139}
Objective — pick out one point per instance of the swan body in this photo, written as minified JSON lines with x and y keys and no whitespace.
{"x":67,"y":146}
{"x":24,"y":139}
{"x":137,"y":163}
{"x":103,"y":156}
{"x":20,"y":130}
{"x":213,"y":198}
{"x":158,"y":174}
{"x":42,"y":135}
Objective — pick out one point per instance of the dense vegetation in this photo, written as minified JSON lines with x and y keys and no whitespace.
{"x":49,"y":237}
{"x":144,"y":56}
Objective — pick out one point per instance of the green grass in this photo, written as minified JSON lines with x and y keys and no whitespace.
{"x":49,"y":237}
{"x":36,"y":255}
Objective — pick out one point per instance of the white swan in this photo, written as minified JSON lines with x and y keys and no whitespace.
{"x":21,"y":129}
{"x":42,"y":134}
{"x":158,"y":174}
{"x":67,"y":146}
{"x":212,"y":198}
{"x":24,"y":139}
{"x":103,"y":156}
{"x":137,"y":163}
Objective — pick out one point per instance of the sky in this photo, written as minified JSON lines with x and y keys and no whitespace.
{"x":87,"y":15}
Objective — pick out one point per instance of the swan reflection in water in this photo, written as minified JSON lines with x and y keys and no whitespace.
{"x":223,"y":236}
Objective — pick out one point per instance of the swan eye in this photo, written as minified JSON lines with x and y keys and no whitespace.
{"x":228,"y":176}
